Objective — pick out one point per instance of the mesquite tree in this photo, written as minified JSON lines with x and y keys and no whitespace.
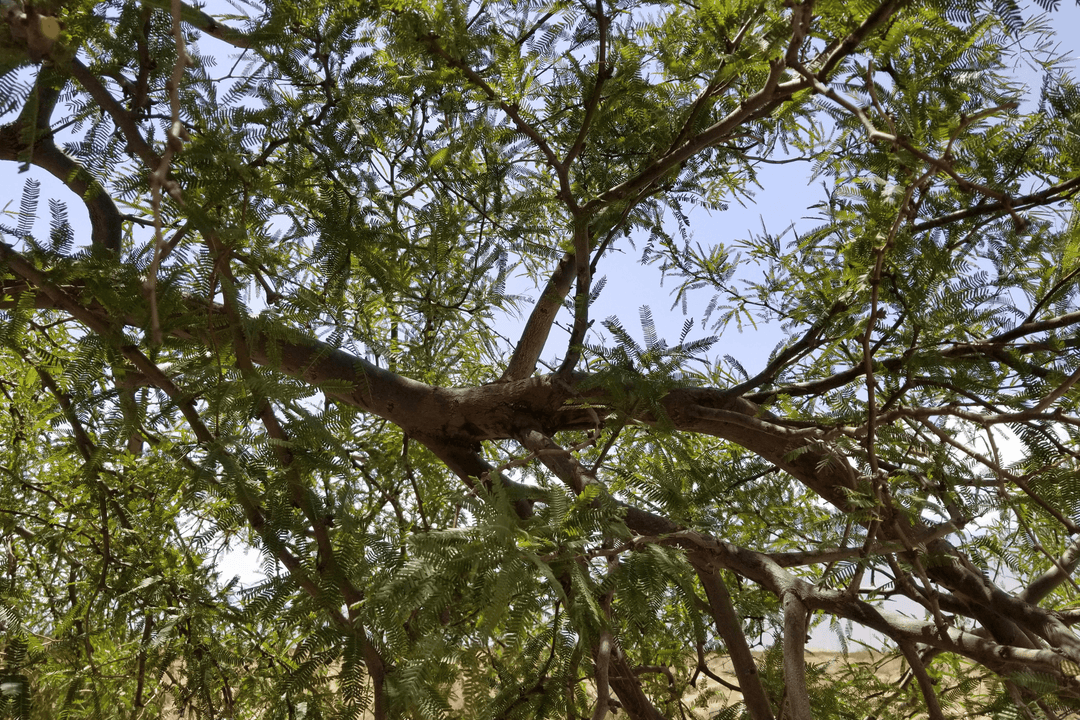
{"x":289,"y":322}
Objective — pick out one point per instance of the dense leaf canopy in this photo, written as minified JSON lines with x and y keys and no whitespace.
{"x":290,"y":323}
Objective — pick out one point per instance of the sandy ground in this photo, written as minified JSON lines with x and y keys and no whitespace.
{"x":718,"y":697}
{"x":888,"y":671}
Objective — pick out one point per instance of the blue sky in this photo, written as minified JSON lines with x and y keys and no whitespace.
{"x":783,"y":200}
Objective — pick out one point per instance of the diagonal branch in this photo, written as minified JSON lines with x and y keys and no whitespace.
{"x":926,"y":684}
{"x":833,"y":55}
{"x":207,"y":24}
{"x":1039,"y":588}
{"x":121,"y":117}
{"x":730,"y":630}
{"x":770,"y":96}
{"x":991,"y":347}
{"x":20,"y":142}
{"x":512,"y":111}
{"x":1054,"y":193}
{"x":533,"y":338}
{"x":604,"y":71}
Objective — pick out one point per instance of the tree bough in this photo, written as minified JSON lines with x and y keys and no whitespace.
{"x":455,"y":523}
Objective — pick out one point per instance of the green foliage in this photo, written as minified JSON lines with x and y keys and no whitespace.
{"x":302,"y":349}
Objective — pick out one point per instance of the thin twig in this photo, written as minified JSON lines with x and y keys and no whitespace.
{"x":159,"y":175}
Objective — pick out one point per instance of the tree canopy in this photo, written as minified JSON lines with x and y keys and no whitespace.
{"x":301,"y":317}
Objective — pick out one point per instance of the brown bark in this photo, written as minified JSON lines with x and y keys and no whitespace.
{"x":729,"y":627}
{"x":453,"y":422}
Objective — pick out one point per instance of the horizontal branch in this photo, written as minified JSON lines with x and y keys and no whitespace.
{"x":453,"y":421}
{"x":997,"y":657}
{"x":538,"y":327}
{"x":197,"y":18}
{"x":990,"y":347}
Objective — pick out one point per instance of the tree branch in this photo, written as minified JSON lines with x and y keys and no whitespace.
{"x":121,"y":117}
{"x":794,"y":655}
{"x":513,"y":111}
{"x":926,"y":685}
{"x":207,"y":24}
{"x":20,"y":143}
{"x":603,"y":72}
{"x":452,"y":421}
{"x":990,"y":347}
{"x":533,"y":338}
{"x":730,"y":630}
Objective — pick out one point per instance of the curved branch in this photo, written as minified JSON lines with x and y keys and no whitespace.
{"x":730,"y":630}
{"x":533,"y":338}
{"x":926,"y":685}
{"x":604,"y":71}
{"x":207,"y":24}
{"x":991,"y":347}
{"x":512,"y":111}
{"x":452,"y":422}
{"x":1063,"y":567}
{"x":23,"y":141}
